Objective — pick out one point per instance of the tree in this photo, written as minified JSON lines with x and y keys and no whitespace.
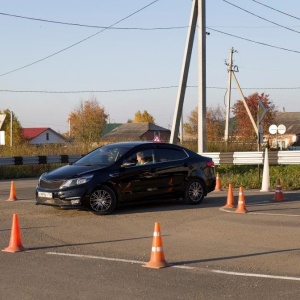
{"x":215,"y":123}
{"x":243,"y":127}
{"x":88,"y":121}
{"x":143,"y":117}
{"x":17,"y":131}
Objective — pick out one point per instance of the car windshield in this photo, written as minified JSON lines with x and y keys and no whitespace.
{"x":106,"y":156}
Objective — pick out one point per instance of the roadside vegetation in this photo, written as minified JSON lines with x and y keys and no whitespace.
{"x":250,"y":176}
{"x":87,"y":122}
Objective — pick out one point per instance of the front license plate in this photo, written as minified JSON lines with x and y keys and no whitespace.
{"x":45,"y":195}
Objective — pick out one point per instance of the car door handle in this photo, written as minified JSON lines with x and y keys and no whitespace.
{"x":114,"y":175}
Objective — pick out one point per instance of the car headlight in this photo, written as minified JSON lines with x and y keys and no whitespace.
{"x":41,"y":177}
{"x":77,"y":181}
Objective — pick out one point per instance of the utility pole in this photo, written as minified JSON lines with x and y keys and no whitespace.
{"x":245,"y":104}
{"x":201,"y":77}
{"x":197,"y":12}
{"x":231,"y":69}
{"x":11,"y":128}
{"x":69,"y":128}
{"x":184,"y":73}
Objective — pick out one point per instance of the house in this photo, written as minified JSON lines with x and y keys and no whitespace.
{"x":110,"y":126}
{"x":291,"y":121}
{"x":138,"y":132}
{"x":43,"y":136}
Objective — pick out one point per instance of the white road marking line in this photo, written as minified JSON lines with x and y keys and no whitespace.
{"x":179,"y":267}
{"x":256,"y":213}
{"x":257,"y":275}
{"x":112,"y":259}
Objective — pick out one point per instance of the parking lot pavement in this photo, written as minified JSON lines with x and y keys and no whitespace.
{"x":216,"y":253}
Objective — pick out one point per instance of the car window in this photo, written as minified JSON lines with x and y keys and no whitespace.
{"x":102,"y":156}
{"x":170,"y":154}
{"x":141,"y":157}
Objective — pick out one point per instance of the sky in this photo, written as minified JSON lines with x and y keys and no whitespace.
{"x":48,"y":68}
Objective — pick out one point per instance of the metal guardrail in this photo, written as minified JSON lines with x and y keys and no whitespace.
{"x":219,"y":158}
{"x":248,"y":158}
{"x":289,"y":157}
{"x":254,"y":157}
{"x":37,"y":160}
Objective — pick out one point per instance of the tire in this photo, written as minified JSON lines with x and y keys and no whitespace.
{"x":194,"y":192}
{"x":102,"y":201}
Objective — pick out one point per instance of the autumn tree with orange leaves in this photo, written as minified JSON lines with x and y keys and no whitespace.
{"x":87,"y":121}
{"x":142,"y":117}
{"x":215,"y":123}
{"x":243,"y":128}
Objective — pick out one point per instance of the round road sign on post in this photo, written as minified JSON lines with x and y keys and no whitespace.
{"x":281,"y":129}
{"x":273,"y":129}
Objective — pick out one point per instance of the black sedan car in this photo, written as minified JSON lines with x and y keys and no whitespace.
{"x":128,"y":171}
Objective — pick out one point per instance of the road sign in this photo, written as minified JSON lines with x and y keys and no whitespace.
{"x":262,"y":110}
{"x":2,"y":137}
{"x":157,"y":139}
{"x":281,"y":129}
{"x":273,"y":129}
{"x":2,"y":118}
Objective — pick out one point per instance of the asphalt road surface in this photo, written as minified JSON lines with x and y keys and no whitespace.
{"x":214,"y":253}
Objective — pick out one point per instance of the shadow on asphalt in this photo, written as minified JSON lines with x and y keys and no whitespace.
{"x":232,"y":257}
{"x":92,"y":243}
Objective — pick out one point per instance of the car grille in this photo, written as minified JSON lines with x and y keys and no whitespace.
{"x":51,"y":184}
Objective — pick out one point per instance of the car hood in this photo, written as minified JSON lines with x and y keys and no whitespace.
{"x":71,"y":171}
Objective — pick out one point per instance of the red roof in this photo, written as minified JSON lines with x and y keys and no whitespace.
{"x":31,"y":133}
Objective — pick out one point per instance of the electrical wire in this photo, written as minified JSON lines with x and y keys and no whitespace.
{"x":81,"y":41}
{"x":92,"y":26}
{"x":276,"y":10}
{"x":92,"y":91}
{"x":260,"y":43}
{"x":143,"y":89}
{"x":261,"y":17}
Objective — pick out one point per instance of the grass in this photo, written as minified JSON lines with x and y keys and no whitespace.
{"x":250,"y":177}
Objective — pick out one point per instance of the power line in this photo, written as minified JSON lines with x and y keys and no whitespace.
{"x":81,"y":41}
{"x":92,"y":26}
{"x":276,"y":10}
{"x":261,"y":17}
{"x":260,"y":43}
{"x":142,"y":89}
{"x":91,"y":91}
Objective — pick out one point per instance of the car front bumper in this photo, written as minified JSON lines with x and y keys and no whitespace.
{"x":71,"y":198}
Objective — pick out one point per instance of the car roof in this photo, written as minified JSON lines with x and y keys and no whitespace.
{"x":139,"y":143}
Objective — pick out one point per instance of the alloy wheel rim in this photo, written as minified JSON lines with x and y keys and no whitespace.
{"x":195,"y":191}
{"x":100,"y":200}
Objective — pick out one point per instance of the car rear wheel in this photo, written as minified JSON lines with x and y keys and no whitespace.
{"x":194,"y":192}
{"x":102,"y":201}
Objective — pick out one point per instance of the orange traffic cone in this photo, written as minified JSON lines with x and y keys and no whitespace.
{"x":241,"y":208}
{"x":12,"y":196}
{"x":218,"y":183}
{"x":278,"y":192}
{"x":15,"y":243}
{"x":230,"y":198}
{"x":157,"y":259}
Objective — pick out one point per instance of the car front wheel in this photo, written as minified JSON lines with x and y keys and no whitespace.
{"x":194,"y":192}
{"x":102,"y":201}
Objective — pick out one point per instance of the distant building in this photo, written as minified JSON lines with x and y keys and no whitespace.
{"x":291,"y":120}
{"x":43,"y":136}
{"x":137,"y":132}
